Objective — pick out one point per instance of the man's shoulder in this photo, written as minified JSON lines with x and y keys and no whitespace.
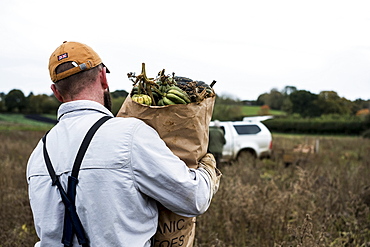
{"x":128,"y":122}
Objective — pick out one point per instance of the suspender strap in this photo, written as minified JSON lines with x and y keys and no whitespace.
{"x":72,"y":223}
{"x":85,"y":144}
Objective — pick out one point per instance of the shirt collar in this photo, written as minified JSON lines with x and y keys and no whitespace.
{"x":79,"y":106}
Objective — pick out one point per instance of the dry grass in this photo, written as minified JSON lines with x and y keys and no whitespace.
{"x":321,"y":201}
{"x":16,"y":222}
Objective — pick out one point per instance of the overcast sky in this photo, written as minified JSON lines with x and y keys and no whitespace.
{"x":248,"y":47}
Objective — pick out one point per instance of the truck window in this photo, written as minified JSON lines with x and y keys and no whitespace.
{"x":247,"y":129}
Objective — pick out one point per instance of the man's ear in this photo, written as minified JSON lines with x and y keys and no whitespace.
{"x":56,"y":93}
{"x":103,"y":78}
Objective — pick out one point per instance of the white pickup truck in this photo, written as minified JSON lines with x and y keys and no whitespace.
{"x":245,"y":139}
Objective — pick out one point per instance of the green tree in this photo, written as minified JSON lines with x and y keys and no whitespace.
{"x":2,"y":102}
{"x":227,"y":112}
{"x":277,"y":100}
{"x":42,"y":103}
{"x":288,"y":90}
{"x":287,"y":105}
{"x":262,"y":99}
{"x":116,"y":104}
{"x":224,"y":99}
{"x":227,"y":109}
{"x":15,"y":101}
{"x":305,"y":103}
{"x":274,"y":99}
{"x":360,"y":104}
{"x":330,"y":103}
{"x":119,"y":93}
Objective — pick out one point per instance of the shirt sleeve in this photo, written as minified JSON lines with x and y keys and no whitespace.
{"x":161,"y":175}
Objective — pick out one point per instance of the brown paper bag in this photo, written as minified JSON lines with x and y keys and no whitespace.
{"x":184,"y":129}
{"x":174,"y":230}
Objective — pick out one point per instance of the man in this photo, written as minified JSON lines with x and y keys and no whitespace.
{"x":216,"y":141}
{"x":125,"y":171}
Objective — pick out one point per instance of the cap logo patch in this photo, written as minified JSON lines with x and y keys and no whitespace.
{"x":60,"y":57}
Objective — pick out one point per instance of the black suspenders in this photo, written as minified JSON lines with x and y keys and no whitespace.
{"x":72,"y":223}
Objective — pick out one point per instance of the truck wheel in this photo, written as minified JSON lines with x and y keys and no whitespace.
{"x":246,"y":157}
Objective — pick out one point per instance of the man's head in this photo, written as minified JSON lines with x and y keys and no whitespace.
{"x":80,"y":57}
{"x":217,"y":123}
{"x":76,"y":70}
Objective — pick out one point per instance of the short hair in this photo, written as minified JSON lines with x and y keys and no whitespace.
{"x":71,"y":86}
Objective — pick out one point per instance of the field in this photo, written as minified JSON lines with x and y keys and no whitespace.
{"x":322,"y":200}
{"x":255,"y":111}
{"x":20,"y":122}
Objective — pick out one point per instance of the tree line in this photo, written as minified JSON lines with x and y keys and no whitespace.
{"x":289,"y":100}
{"x":16,"y":102}
{"x":306,"y":104}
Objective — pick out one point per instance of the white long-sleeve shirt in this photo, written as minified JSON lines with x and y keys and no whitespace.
{"x":126,"y":169}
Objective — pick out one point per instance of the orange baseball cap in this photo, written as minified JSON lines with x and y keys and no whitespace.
{"x":83,"y":56}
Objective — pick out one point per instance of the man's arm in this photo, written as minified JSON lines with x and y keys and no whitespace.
{"x":164,"y":177}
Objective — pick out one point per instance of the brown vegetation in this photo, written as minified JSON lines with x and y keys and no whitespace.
{"x":321,"y":200}
{"x":16,"y":221}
